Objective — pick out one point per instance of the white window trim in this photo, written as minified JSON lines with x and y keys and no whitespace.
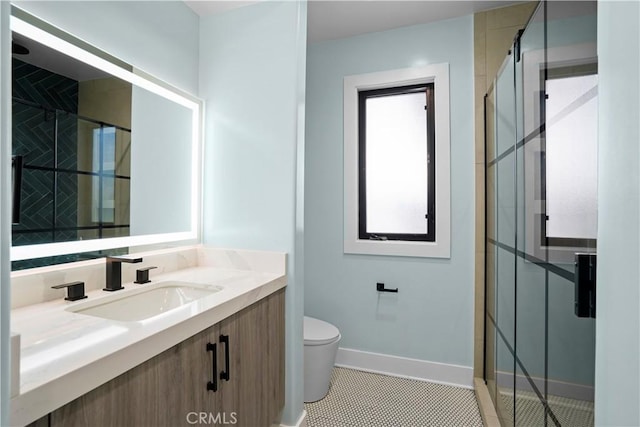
{"x":439,"y":75}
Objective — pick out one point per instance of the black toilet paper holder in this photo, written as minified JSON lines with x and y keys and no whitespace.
{"x":380,"y":288}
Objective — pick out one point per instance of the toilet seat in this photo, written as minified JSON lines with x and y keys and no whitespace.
{"x":318,"y":332}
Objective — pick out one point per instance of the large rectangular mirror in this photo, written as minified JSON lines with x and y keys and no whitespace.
{"x":104,"y":156}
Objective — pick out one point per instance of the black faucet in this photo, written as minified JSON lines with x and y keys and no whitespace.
{"x":114,"y":271}
{"x":75,"y":290}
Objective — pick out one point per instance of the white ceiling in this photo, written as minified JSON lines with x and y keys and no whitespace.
{"x":211,"y":7}
{"x":335,"y":19}
{"x":327,"y":20}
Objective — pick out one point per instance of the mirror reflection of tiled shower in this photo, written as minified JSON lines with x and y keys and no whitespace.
{"x":71,"y":155}
{"x":541,"y":199}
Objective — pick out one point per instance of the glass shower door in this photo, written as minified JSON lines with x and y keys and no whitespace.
{"x":531,"y":324}
{"x":568,"y":225}
{"x":501,"y":241}
{"x":541,"y":200}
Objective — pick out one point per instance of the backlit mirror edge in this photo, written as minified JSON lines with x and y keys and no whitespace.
{"x":75,"y":47}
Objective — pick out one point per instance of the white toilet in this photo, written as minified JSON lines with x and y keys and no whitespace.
{"x":320,"y":348}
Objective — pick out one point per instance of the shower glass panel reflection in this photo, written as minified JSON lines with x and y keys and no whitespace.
{"x":541,"y":151}
{"x":75,"y":179}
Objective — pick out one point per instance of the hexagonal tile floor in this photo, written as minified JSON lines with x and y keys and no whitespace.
{"x":363,"y":399}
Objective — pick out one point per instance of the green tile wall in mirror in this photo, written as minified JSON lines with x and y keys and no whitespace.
{"x":105,"y":157}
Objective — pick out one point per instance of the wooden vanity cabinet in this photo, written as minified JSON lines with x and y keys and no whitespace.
{"x":255,"y":389}
{"x":170,"y":389}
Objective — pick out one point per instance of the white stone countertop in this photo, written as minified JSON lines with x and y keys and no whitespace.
{"x":65,"y":355}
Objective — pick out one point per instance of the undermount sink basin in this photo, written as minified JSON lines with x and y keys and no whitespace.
{"x":146,"y":303}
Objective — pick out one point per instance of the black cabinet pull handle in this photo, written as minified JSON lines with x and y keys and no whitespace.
{"x":224,"y":375}
{"x":213,"y":385}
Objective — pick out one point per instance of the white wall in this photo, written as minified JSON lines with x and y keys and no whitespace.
{"x":252,"y":80}
{"x":618,"y":288}
{"x":431,"y":318}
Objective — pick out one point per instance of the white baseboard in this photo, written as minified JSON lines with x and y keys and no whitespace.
{"x":302,"y":421}
{"x":556,"y":388}
{"x":459,"y":376}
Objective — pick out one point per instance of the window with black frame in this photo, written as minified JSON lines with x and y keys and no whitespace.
{"x":396,"y":163}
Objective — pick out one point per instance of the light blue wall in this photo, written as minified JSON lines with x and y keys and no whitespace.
{"x":431,"y":318}
{"x":618,"y":290}
{"x":159,"y":37}
{"x":252,"y":80}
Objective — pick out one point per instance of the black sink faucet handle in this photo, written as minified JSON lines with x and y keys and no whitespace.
{"x":142,"y":275}
{"x":75,"y":290}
